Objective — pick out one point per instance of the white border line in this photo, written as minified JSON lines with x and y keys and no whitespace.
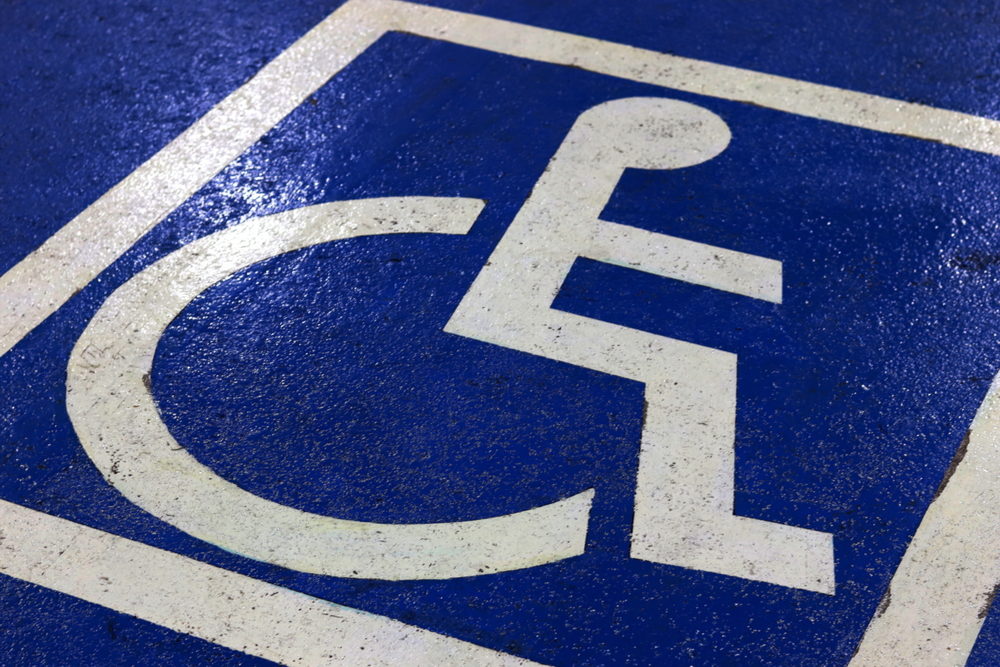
{"x":942,"y":590}
{"x":48,"y":277}
{"x":697,"y":76}
{"x":223,"y":607}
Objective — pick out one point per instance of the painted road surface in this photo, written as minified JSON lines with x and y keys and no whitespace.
{"x":499,"y":333}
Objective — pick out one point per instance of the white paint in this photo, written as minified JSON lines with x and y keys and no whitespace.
{"x":217,"y":605}
{"x":684,"y":496}
{"x":802,"y":98}
{"x":65,"y":263}
{"x":119,"y":425}
{"x":940,"y":594}
{"x":90,"y":242}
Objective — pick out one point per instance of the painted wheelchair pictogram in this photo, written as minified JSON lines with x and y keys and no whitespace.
{"x":684,"y":495}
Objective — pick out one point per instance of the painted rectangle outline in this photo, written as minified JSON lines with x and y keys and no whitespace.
{"x":120,"y":217}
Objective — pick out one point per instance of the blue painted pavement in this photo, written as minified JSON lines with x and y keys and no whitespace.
{"x":854,"y":393}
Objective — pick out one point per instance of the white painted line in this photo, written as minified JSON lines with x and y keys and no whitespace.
{"x":217,"y":605}
{"x":940,"y":594}
{"x":119,"y":426}
{"x":31,"y":291}
{"x":802,"y":98}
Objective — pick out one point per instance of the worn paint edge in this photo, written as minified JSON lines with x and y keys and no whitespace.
{"x":940,"y":594}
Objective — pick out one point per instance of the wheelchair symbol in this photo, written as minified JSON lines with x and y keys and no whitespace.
{"x":684,"y":493}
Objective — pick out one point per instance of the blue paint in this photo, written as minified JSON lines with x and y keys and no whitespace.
{"x":322,"y":380}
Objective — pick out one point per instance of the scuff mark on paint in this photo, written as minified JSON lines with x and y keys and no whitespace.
{"x":959,"y":455}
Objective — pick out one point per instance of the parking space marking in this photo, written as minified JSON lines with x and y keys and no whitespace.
{"x":223,"y":607}
{"x":948,"y":570}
